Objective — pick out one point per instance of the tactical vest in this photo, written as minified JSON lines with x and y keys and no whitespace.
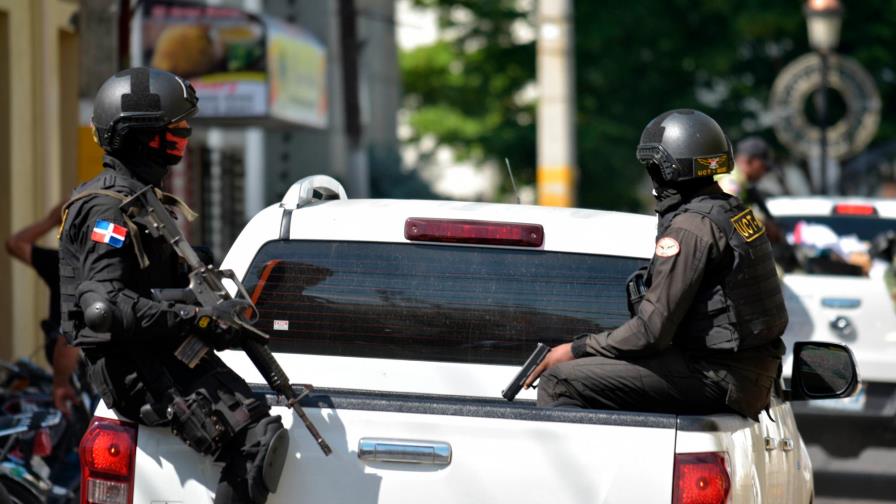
{"x":739,"y":303}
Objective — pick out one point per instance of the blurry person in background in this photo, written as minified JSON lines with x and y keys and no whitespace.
{"x":887,"y":189}
{"x":751,"y":182}
{"x":62,"y":357}
{"x":752,"y":162}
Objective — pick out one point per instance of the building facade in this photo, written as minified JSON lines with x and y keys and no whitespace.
{"x":38,"y":138}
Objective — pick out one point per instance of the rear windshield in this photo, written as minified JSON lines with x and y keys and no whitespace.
{"x":432,"y":302}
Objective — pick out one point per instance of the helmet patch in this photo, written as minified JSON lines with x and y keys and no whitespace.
{"x":711,"y":165}
{"x":667,"y":247}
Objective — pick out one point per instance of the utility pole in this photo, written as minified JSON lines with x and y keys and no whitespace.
{"x":556,"y":174}
{"x":357,"y":174}
{"x":124,"y":33}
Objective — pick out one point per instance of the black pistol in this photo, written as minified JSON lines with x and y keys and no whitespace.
{"x":541,"y":350}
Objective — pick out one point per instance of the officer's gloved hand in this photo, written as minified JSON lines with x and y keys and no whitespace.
{"x":212,"y":322}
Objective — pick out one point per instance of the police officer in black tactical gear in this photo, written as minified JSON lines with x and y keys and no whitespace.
{"x":108,"y":268}
{"x":707,"y":313}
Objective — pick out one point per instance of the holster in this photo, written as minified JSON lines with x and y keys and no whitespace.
{"x":193,"y":421}
{"x":635,"y":289}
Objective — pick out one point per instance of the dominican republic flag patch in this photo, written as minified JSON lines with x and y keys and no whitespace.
{"x":107,"y":232}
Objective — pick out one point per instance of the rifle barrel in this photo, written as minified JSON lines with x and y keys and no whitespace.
{"x":264,"y":360}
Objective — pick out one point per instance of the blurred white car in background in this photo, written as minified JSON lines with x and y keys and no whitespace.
{"x":843,"y":293}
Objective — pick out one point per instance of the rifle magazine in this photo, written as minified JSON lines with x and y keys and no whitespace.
{"x":191,"y":351}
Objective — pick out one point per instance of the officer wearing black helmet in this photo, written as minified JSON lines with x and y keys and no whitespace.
{"x":707,"y":313}
{"x":108,"y":268}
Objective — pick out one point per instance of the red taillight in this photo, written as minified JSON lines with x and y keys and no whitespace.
{"x":471,"y":231}
{"x":854,"y":209}
{"x":108,"y":450}
{"x":43,"y":445}
{"x":700,"y":478}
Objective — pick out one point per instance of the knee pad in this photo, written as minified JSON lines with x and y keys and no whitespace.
{"x":270,"y":443}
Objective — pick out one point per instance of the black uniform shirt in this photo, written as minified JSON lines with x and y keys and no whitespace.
{"x":684,"y":252}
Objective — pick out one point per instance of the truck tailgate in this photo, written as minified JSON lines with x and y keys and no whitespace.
{"x":500,"y":452}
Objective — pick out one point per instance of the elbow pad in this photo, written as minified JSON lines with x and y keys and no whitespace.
{"x":99,"y":315}
{"x":99,"y":304}
{"x":109,"y":310}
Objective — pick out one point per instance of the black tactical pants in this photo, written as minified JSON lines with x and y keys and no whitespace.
{"x":661,"y":383}
{"x":232,"y":425}
{"x":213,"y":411}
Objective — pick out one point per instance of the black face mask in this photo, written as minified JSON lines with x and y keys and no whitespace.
{"x":670,"y":195}
{"x":656,"y":176}
{"x":141,"y":167}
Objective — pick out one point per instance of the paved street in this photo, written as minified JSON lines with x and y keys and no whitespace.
{"x":868,"y":479}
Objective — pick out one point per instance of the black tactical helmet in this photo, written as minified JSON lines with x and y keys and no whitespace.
{"x":685,"y":144}
{"x":140,"y":98}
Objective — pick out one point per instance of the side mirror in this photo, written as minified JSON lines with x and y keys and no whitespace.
{"x":822,"y":371}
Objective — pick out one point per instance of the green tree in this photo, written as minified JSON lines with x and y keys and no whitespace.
{"x":463,"y":91}
{"x":634,"y":60}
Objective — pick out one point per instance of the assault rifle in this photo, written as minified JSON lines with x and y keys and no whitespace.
{"x":207,"y":290}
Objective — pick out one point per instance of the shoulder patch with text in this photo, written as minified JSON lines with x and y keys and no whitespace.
{"x":711,"y":165}
{"x":667,"y":247}
{"x":747,"y":225}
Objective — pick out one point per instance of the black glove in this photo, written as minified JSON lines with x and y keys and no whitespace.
{"x":212,"y":325}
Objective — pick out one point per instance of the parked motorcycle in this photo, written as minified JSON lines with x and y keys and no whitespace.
{"x":38,"y":445}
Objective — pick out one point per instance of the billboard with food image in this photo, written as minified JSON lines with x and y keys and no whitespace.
{"x":243,"y":66}
{"x":220,"y":50}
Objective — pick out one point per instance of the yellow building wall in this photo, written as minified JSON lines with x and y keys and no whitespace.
{"x":90,"y":155}
{"x":38,"y":89}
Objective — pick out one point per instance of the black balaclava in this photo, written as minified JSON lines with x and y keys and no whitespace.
{"x":147,"y":155}
{"x":670,"y":195}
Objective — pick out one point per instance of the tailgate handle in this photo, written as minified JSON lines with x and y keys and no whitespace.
{"x":841,"y":303}
{"x":404,"y":451}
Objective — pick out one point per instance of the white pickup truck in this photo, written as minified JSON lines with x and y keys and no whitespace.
{"x":832,"y":301}
{"x":410,"y":317}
